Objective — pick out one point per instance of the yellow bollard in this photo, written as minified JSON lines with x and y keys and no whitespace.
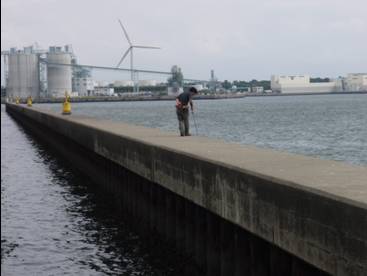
{"x":29,"y":101}
{"x":17,"y":100}
{"x":66,"y":105}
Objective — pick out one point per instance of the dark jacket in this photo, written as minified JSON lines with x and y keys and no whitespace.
{"x":183,"y":100}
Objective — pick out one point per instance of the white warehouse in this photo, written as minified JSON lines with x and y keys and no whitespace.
{"x":84,"y":86}
{"x":355,"y":82}
{"x":123,"y":83}
{"x":302,"y":84}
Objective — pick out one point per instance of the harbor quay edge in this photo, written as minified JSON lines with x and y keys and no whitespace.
{"x":315,"y":210}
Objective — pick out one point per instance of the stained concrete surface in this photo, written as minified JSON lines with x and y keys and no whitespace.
{"x":311,"y":208}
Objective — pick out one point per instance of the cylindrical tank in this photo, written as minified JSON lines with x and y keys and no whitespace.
{"x":23,"y":78}
{"x":58,"y":76}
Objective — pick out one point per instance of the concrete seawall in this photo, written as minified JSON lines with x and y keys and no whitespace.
{"x":286,"y":214}
{"x":127,"y":98}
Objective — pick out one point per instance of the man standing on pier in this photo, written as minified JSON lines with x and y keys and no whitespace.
{"x":182,"y":109}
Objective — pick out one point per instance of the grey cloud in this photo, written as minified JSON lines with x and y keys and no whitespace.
{"x":239,"y":39}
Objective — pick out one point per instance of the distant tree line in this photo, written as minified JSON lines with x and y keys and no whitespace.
{"x":246,"y":84}
{"x":225,"y":84}
{"x":240,"y":84}
{"x":124,"y":89}
{"x":319,"y":80}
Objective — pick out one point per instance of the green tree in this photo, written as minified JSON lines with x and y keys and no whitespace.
{"x":319,"y":80}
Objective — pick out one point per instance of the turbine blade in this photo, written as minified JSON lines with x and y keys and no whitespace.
{"x":127,"y":37}
{"x":145,"y":47}
{"x":123,"y":57}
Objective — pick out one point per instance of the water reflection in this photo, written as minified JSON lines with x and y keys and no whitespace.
{"x":55,"y":222}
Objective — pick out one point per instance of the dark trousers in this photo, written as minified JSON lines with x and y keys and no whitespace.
{"x":183,"y":121}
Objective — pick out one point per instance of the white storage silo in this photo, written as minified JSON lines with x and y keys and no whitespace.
{"x":23,"y":75}
{"x":58,"y":76}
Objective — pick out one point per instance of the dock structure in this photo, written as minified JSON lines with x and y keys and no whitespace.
{"x":236,"y":210}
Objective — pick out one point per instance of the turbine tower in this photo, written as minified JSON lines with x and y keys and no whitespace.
{"x":130,"y":50}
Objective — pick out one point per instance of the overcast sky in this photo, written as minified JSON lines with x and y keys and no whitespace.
{"x":239,"y":39}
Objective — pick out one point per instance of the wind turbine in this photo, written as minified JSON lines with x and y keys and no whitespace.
{"x":130,"y":50}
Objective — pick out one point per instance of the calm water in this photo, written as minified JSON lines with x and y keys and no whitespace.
{"x":53,"y":223}
{"x":326,"y":126}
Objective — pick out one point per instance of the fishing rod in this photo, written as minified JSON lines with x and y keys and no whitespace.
{"x":196,"y":127}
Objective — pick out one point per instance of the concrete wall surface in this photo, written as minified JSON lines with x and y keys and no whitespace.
{"x":313,"y":209}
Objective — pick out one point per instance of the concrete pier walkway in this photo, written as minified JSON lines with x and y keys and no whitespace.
{"x":315,"y":210}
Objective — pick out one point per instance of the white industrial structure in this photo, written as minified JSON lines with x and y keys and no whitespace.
{"x":58,"y":75}
{"x":123,"y":83}
{"x":257,"y":89}
{"x":213,"y":85}
{"x":24,"y":76}
{"x":104,"y":91}
{"x":23,"y":73}
{"x":147,"y":83}
{"x":302,"y":84}
{"x":84,"y":86}
{"x":51,"y":73}
{"x":101,"y":83}
{"x":198,"y":87}
{"x":355,"y":82}
{"x":174,"y":91}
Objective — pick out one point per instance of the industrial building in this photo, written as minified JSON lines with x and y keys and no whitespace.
{"x":101,"y":83}
{"x":83,"y":86}
{"x":123,"y":83}
{"x":174,"y":91}
{"x":58,"y":77}
{"x":199,"y":87}
{"x":30,"y":71}
{"x":147,"y":83}
{"x":302,"y":84}
{"x":53,"y":72}
{"x":23,"y":70}
{"x":257,"y":89}
{"x":355,"y":82}
{"x":129,"y":83}
{"x":50,"y":73}
{"x":104,"y":91}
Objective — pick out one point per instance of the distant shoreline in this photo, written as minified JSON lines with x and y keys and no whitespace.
{"x":128,"y":98}
{"x":168,"y":98}
{"x":304,"y":94}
